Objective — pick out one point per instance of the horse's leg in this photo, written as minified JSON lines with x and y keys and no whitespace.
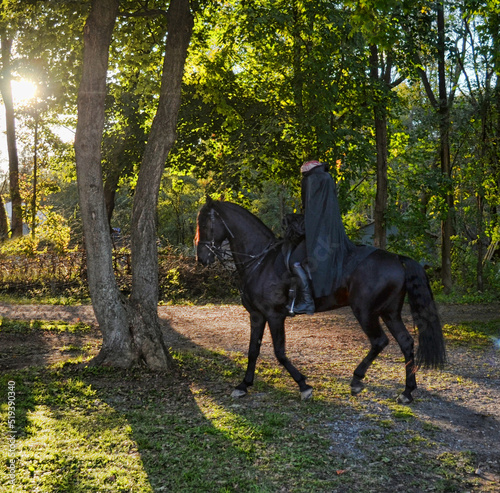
{"x":405,"y":341}
{"x":257,"y":325}
{"x":277,"y":327}
{"x":378,"y":340}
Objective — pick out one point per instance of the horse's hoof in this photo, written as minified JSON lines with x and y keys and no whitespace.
{"x":404,"y":399}
{"x":238,"y":393}
{"x":305,"y":395}
{"x":356,"y":389}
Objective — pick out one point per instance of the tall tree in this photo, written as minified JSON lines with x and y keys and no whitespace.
{"x":380,"y":24}
{"x":442,"y":103}
{"x":131,"y":330}
{"x":479,"y":170}
{"x":381,"y":64}
{"x":4,"y":222}
{"x":144,"y":297}
{"x":6,"y":92}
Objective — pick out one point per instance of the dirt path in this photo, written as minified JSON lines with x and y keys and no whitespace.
{"x":217,"y":327}
{"x":462,"y":401}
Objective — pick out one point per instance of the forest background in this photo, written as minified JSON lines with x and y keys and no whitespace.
{"x":401,"y":99}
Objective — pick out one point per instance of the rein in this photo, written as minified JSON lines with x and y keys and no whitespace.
{"x":224,"y":255}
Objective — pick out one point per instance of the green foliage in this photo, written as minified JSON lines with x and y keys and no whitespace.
{"x":180,"y":199}
{"x":267,"y":85}
{"x":251,"y":110}
{"x":32,"y":326}
{"x":273,"y":203}
{"x":26,"y":246}
{"x":52,"y":234}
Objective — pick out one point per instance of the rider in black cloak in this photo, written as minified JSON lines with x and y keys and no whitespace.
{"x":326,"y":244}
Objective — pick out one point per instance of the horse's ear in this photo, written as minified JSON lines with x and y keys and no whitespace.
{"x":209,"y":200}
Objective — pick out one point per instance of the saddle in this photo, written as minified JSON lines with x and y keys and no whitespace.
{"x":295,"y":233}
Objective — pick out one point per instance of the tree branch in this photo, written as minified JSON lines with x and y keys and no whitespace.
{"x":427,"y":87}
{"x":398,"y":81}
{"x":145,"y":13}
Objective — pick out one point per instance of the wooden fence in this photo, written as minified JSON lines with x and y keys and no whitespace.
{"x":180,"y":276}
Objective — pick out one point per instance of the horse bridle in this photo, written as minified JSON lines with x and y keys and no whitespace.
{"x":224,"y":255}
{"x":210,"y":244}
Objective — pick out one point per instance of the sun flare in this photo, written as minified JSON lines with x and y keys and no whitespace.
{"x":23,"y":90}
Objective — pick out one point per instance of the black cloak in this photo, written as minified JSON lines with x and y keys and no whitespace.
{"x":326,"y":241}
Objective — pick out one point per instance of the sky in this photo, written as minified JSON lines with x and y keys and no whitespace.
{"x":22,"y":91}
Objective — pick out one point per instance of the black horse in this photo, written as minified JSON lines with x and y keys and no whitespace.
{"x":375,"y":288}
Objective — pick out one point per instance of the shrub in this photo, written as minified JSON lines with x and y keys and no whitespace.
{"x":181,"y":278}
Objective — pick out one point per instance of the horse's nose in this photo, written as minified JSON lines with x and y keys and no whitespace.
{"x":204,"y":257}
{"x":202,"y":261}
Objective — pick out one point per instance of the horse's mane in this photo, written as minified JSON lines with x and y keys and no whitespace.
{"x":235,"y":209}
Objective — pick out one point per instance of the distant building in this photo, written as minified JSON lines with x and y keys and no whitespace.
{"x":26,"y":229}
{"x":367,"y":232}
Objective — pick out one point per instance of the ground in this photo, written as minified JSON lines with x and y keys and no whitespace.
{"x":462,"y":402}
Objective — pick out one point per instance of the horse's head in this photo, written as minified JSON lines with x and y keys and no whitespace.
{"x":210,"y":233}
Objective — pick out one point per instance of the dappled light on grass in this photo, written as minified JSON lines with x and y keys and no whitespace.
{"x":70,"y":440}
{"x":242,"y":434}
{"x":106,"y":430}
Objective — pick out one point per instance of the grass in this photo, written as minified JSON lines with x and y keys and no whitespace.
{"x":43,"y":299}
{"x":31,"y":326}
{"x":473,"y":334}
{"x":103,"y":430}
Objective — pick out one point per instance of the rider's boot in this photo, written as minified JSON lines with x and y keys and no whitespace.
{"x":305,"y":302}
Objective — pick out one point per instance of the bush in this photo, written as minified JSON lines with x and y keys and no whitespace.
{"x":52,"y":235}
{"x":181,"y":278}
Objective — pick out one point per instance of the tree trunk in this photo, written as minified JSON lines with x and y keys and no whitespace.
{"x":131,"y":330}
{"x":298,"y":77}
{"x":4,"y":223}
{"x":496,"y":140}
{"x":442,"y":106}
{"x":109,"y":306}
{"x":480,"y":249}
{"x":144,"y":297}
{"x":380,"y":233}
{"x":6,"y":91}
{"x":444,"y":127}
{"x":110,"y":189}
{"x":380,"y":121}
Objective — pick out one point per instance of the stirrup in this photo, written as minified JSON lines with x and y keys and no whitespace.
{"x":304,"y":308}
{"x":292,"y":296}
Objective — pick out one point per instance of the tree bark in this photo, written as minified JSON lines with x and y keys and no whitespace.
{"x":380,"y":121}
{"x":444,"y":127}
{"x":110,"y":189}
{"x":380,"y":227}
{"x":109,"y":306}
{"x":6,"y":91}
{"x":496,"y":133}
{"x":298,"y":76}
{"x":131,"y":328}
{"x":144,"y":297}
{"x":4,"y":223}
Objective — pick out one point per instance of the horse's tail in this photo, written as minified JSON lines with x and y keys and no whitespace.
{"x":431,"y":351}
